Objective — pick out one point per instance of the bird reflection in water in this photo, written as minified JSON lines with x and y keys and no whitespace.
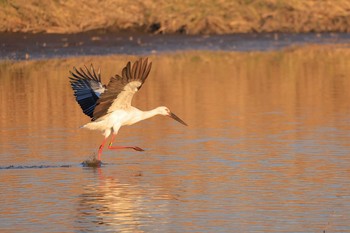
{"x":119,"y":206}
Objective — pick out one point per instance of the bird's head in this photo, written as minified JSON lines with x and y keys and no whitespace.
{"x":166,"y":112}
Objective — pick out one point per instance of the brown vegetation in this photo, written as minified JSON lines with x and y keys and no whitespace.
{"x":174,"y":16}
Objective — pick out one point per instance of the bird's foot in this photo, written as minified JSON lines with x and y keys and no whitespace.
{"x":125,"y":147}
{"x":138,"y":148}
{"x":92,"y":162}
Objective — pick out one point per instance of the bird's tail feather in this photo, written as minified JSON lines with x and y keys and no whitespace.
{"x":95,"y":125}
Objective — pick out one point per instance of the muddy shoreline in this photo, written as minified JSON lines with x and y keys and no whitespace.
{"x":21,"y":46}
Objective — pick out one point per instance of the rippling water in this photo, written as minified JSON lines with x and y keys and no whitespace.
{"x":267,"y":147}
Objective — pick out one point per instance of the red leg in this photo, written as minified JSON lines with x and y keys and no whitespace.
{"x":101,"y":148}
{"x":122,"y":147}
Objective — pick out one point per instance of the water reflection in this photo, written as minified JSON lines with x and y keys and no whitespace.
{"x":126,"y":204}
{"x":266,"y":151}
{"x":109,"y":203}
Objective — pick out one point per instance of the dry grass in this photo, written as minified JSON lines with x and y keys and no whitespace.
{"x":185,"y":16}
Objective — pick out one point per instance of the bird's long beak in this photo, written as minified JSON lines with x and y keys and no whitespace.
{"x":172,"y":115}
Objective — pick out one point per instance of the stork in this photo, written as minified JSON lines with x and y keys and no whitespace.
{"x":109,"y":107}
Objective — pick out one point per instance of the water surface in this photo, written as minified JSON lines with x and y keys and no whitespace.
{"x":267,"y":147}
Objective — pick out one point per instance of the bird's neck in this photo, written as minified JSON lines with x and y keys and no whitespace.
{"x":150,"y":113}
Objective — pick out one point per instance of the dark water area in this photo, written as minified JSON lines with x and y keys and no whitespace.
{"x":21,"y":46}
{"x":267,"y":148}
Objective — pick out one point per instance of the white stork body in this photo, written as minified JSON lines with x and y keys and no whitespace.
{"x":121,"y":117}
{"x":110,"y":106}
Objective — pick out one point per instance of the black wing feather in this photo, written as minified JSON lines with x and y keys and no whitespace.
{"x":87,"y":88}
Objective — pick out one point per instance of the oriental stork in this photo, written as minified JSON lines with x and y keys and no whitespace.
{"x":109,"y":107}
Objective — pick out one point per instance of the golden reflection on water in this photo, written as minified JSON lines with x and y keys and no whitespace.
{"x":266,"y":149}
{"x":121,"y":203}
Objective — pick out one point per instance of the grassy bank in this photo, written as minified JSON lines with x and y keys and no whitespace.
{"x":175,"y":16}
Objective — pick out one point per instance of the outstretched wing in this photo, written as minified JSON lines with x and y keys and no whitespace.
{"x":121,"y":89}
{"x":87,"y":88}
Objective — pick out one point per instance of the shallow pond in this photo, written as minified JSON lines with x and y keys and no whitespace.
{"x":267,"y":148}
